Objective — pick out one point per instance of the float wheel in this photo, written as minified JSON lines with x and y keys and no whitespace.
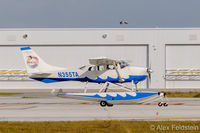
{"x":165,"y":104}
{"x":103,"y":103}
{"x":160,"y":104}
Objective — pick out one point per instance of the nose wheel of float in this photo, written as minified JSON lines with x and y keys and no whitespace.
{"x":104,"y":103}
{"x":164,"y":101}
{"x":160,"y":104}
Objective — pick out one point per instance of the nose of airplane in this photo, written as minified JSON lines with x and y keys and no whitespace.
{"x":149,"y":71}
{"x":139,"y":70}
{"x":140,"y":73}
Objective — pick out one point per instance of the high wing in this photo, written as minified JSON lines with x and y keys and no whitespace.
{"x":106,"y":61}
{"x":103,"y":61}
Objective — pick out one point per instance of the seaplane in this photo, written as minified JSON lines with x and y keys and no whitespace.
{"x":101,"y":70}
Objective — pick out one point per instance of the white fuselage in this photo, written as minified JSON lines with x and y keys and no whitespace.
{"x":94,"y":74}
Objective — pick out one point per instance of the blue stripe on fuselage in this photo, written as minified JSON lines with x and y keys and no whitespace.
{"x":135,"y":78}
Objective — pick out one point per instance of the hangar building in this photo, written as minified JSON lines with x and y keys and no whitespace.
{"x":172,"y":53}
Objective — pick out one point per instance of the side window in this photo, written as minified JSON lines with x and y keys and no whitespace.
{"x":110,"y":67}
{"x":107,"y":67}
{"x":92,"y":68}
{"x":101,"y":68}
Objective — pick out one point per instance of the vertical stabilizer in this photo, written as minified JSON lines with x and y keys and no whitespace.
{"x":34,"y":64}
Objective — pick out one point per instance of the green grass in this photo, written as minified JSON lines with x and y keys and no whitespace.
{"x":97,"y":127}
{"x":9,"y":94}
{"x":183,"y":94}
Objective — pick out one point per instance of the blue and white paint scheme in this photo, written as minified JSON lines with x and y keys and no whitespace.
{"x":114,"y":97}
{"x":100,"y":70}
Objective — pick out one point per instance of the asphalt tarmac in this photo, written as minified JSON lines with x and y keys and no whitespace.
{"x":40,"y":105}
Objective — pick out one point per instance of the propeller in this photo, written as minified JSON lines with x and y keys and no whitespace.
{"x":149,"y":71}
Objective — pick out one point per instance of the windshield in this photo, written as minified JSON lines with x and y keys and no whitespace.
{"x":123,"y":64}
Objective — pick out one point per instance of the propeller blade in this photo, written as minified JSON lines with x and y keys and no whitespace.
{"x":149,"y":78}
{"x":149,"y":71}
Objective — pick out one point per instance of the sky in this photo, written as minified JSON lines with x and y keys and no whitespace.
{"x":99,"y":13}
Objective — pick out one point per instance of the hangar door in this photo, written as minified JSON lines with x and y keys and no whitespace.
{"x":74,"y":56}
{"x":183,"y":66}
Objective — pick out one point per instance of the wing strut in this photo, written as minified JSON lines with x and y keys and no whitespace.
{"x":117,"y":70}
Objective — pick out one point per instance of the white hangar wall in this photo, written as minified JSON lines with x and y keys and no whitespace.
{"x":173,"y":54}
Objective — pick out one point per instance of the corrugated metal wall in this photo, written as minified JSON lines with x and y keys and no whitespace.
{"x":172,"y":53}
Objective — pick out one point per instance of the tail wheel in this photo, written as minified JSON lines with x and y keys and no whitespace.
{"x":103,"y":103}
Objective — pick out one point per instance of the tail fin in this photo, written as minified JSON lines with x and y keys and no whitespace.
{"x":34,"y":64}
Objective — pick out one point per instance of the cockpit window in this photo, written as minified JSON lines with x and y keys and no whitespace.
{"x":92,"y":68}
{"x":101,"y":68}
{"x":96,"y":68}
{"x":123,"y":64}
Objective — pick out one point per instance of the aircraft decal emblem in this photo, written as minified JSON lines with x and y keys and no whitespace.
{"x":32,"y":61}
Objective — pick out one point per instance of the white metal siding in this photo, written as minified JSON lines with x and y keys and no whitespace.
{"x":156,"y":38}
{"x":183,"y":59}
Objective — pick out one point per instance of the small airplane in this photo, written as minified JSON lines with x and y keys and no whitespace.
{"x":101,"y":70}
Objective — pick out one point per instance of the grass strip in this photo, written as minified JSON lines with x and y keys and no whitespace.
{"x":103,"y":126}
{"x":9,"y":94}
{"x":183,"y":94}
